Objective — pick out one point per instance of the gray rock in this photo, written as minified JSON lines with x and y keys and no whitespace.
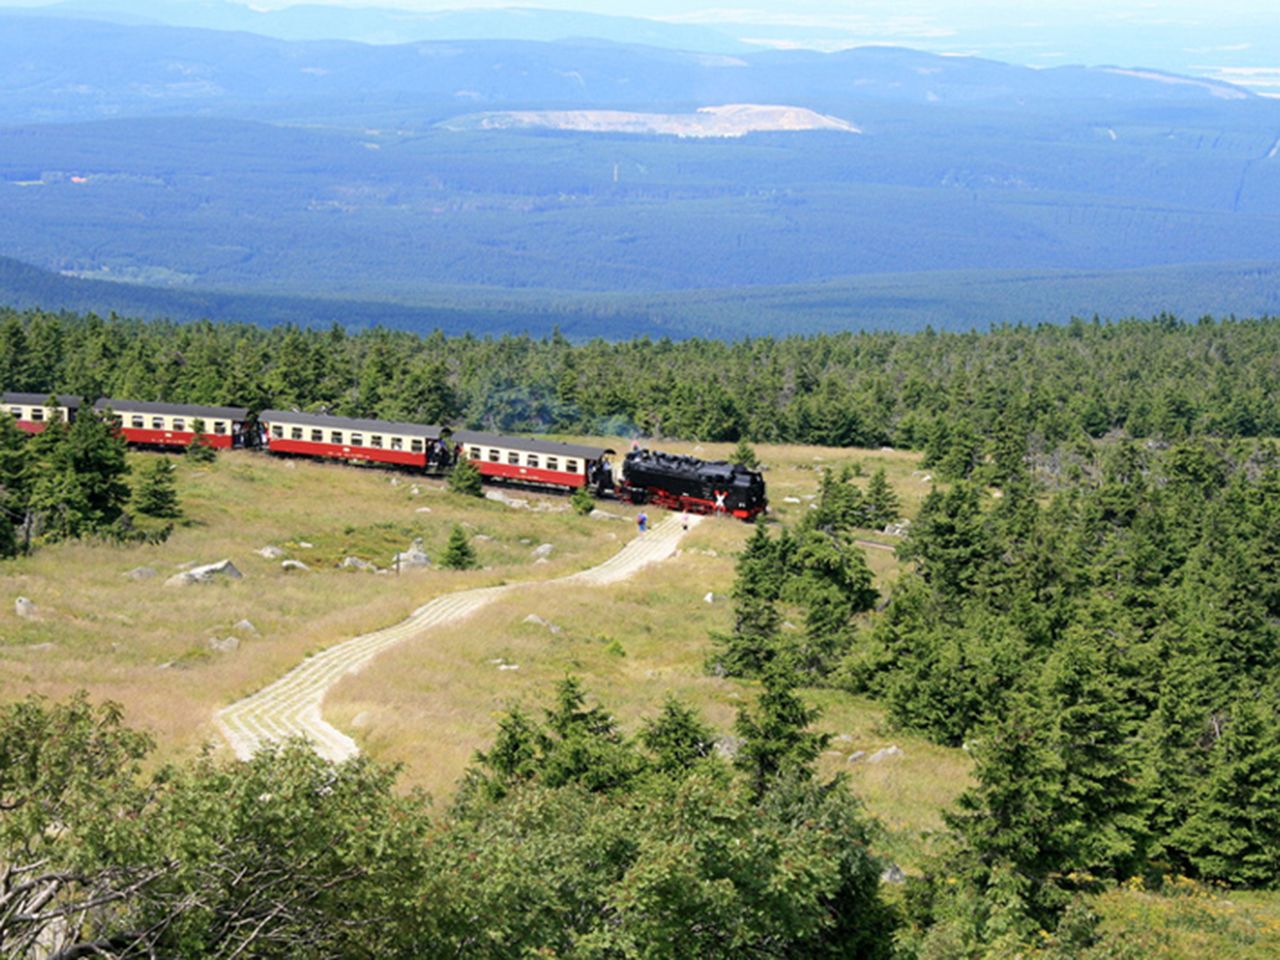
{"x":423,"y":510}
{"x":857,"y":755}
{"x":361,"y":719}
{"x":790,"y":499}
{"x":355,"y":563}
{"x":414,"y":491}
{"x":543,"y":550}
{"x":415,"y":556}
{"x":598,"y":514}
{"x":141,"y":573}
{"x":481,"y":538}
{"x":204,"y":574}
{"x":499,"y":496}
{"x":270,"y":553}
{"x":508,"y":666}
{"x":25,"y":609}
{"x":225,"y":645}
{"x":885,"y":754}
{"x":710,"y":598}
{"x":541,"y":560}
{"x":893,"y":874}
{"x":303,"y":545}
{"x":535,"y":619}
{"x":898,"y":529}
{"x":294,"y":566}
{"x":245,"y":626}
{"x":728,"y":747}
{"x":395,"y":481}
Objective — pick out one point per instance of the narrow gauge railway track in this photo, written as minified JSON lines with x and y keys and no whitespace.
{"x":292,"y":705}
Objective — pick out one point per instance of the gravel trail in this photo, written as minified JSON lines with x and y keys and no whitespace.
{"x":291,"y":706}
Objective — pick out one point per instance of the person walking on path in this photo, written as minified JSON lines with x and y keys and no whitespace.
{"x":642,"y":521}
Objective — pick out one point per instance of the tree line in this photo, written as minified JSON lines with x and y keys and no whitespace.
{"x":956,"y":396}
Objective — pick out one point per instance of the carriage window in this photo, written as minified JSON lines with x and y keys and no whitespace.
{"x":513,"y":458}
{"x":220,"y":426}
{"x":317,"y":436}
{"x":179,"y":423}
{"x":135,"y":422}
{"x":16,"y":412}
{"x":417,"y":446}
{"x":335,"y":436}
{"x":553,"y":463}
{"x":474,"y":453}
{"x":157,"y":423}
{"x":494,"y":455}
{"x":357,"y":439}
{"x":295,"y":433}
{"x":277,"y":431}
{"x":397,"y":443}
{"x":375,"y":441}
{"x":571,"y":466}
{"x":37,"y":413}
{"x":531,"y":460}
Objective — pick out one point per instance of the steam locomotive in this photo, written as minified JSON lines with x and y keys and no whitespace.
{"x":686,"y":483}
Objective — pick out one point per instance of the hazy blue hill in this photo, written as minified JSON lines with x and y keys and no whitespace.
{"x":202,"y":160}
{"x":375,"y":25}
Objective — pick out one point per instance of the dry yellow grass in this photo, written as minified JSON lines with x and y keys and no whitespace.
{"x":431,"y":703}
{"x":146,"y":645}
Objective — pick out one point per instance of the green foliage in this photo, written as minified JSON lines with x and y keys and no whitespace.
{"x":582,"y":501}
{"x":465,"y":478}
{"x":200,"y":449}
{"x":1233,"y":832}
{"x":458,"y":553}
{"x":78,"y":484}
{"x":744,"y":455}
{"x":778,"y":743}
{"x":156,"y":494}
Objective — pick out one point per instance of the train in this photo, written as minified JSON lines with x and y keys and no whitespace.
{"x":673,"y":481}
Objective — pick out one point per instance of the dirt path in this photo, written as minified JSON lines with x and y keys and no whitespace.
{"x":291,"y":706}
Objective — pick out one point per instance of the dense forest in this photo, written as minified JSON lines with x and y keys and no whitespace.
{"x":1089,"y":605}
{"x":959,"y":396}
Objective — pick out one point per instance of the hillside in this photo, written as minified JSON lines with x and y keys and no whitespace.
{"x":253,"y":166}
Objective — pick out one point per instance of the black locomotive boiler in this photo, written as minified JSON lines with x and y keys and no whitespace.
{"x":680,"y":482}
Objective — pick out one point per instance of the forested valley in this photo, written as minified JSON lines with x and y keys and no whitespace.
{"x":1089,"y":605}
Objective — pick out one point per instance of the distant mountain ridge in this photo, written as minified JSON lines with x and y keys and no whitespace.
{"x":391,"y":25}
{"x":413,"y":174}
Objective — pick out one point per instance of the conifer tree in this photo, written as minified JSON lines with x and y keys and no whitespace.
{"x":882,"y":506}
{"x":753,"y":641}
{"x":777,"y":741}
{"x":582,"y":501}
{"x":465,"y":479}
{"x":458,"y":552}
{"x":200,"y":450}
{"x":744,"y":455}
{"x":1233,"y":832}
{"x":157,"y":493}
{"x":678,"y":738}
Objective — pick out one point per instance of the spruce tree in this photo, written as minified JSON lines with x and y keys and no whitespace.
{"x":1233,"y":832}
{"x":200,"y":450}
{"x":465,"y":479}
{"x":753,"y":642}
{"x":777,"y":741}
{"x":157,"y":493}
{"x":744,"y":455}
{"x":882,"y":506}
{"x":678,"y":738}
{"x":582,"y":501}
{"x":458,"y":553}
